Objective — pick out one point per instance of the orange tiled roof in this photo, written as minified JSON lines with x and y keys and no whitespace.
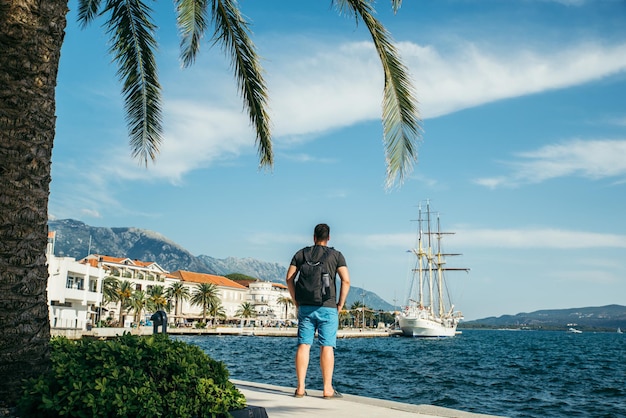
{"x":188,"y":276}
{"x":109,"y":259}
{"x":279,"y":285}
{"x":143,"y":263}
{"x":120,"y":260}
{"x":91,"y":261}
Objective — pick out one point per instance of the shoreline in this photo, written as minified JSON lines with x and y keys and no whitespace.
{"x":105,"y":333}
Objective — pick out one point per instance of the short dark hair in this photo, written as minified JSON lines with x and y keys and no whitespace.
{"x":322,"y":232}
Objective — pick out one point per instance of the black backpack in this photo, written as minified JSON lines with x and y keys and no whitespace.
{"x":313,"y":283}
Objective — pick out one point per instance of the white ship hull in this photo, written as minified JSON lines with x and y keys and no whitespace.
{"x":424,"y":327}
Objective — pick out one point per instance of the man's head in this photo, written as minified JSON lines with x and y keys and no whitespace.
{"x":321,"y":233}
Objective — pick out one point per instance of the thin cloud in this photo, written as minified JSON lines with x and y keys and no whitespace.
{"x":618,"y":121}
{"x":531,"y":238}
{"x":308,"y":158}
{"x":594,"y":159}
{"x":472,"y":75}
{"x":575,"y":3}
{"x":596,"y":277}
{"x":92,"y":213}
{"x":537,"y":238}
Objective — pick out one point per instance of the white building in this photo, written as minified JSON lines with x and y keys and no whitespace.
{"x":230,"y":293}
{"x":141,"y":274}
{"x":267,"y":297}
{"x":74,"y":290}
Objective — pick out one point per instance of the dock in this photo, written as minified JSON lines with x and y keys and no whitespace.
{"x":279,"y":402}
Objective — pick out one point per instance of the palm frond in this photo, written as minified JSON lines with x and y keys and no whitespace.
{"x":395,"y":5}
{"x":231,"y":31}
{"x":133,"y":45}
{"x":401,"y":123}
{"x":192,"y":24}
{"x":87,"y":11}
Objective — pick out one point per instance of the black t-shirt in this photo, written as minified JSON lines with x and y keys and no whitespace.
{"x":333,"y":261}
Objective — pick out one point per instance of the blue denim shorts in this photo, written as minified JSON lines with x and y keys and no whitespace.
{"x":323,"y":319}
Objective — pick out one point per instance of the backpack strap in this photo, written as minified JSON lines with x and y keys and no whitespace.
{"x":325,"y":254}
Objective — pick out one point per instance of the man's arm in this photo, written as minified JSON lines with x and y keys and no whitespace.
{"x":292,"y":271}
{"x":344,"y":275}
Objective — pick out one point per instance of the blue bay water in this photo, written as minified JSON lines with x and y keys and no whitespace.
{"x":509,"y":373}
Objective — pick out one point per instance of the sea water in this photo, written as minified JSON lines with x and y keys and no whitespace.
{"x":508,"y":373}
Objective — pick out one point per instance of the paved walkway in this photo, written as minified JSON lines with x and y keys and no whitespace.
{"x":279,"y":402}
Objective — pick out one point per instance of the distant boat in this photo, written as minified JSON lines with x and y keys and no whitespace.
{"x":574,"y":331}
{"x":426,"y":313}
{"x":619,"y":330}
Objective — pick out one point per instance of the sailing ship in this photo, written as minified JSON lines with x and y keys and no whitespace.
{"x":428,"y":313}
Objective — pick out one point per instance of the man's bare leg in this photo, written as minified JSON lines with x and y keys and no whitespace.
{"x":302,"y":364}
{"x":327,"y":363}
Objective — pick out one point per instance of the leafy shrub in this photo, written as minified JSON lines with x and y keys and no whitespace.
{"x":130,"y":376}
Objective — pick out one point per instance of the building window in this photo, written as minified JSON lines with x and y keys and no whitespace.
{"x":137,"y":287}
{"x":75,"y":283}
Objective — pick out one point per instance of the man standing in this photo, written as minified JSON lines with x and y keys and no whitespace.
{"x":320,"y":312}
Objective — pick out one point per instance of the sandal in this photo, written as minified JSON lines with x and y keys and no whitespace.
{"x":334,"y":395}
{"x":299,"y":395}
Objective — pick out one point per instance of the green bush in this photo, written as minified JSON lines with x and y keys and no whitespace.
{"x":130,"y":376}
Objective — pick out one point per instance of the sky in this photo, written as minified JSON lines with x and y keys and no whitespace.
{"x":523,"y":153}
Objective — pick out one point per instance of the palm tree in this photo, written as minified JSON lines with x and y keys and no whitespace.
{"x":358,"y":309}
{"x":157,"y":300}
{"x":217,"y":311}
{"x":284,"y":300}
{"x":138,"y":303}
{"x":110,"y":287}
{"x":205,"y":296}
{"x":177,"y":292}
{"x":344,"y":316}
{"x":124,"y":295}
{"x":246,"y":310}
{"x":28,"y":76}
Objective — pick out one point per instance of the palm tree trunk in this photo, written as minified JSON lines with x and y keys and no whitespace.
{"x":31,"y":35}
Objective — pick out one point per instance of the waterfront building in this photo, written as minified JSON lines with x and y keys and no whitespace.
{"x":74,"y":290}
{"x":141,"y":275}
{"x":230,"y":293}
{"x":268,"y":300}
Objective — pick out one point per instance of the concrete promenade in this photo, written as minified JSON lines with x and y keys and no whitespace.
{"x":245,"y":331}
{"x":279,"y":402}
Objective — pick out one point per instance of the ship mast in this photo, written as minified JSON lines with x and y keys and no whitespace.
{"x":440,"y":263}
{"x":420,"y":258}
{"x":430,"y":260}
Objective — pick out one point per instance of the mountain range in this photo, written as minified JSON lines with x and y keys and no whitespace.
{"x":76,"y":239}
{"x":608,"y":317}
